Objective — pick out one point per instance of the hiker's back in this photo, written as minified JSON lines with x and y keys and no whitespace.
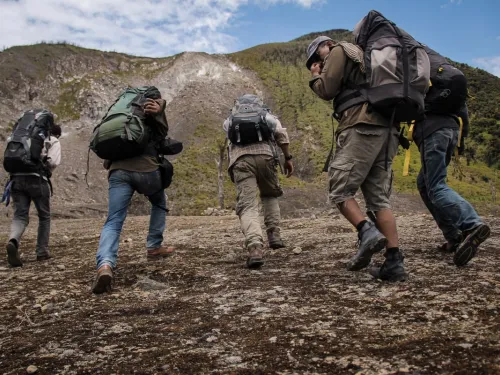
{"x":23,"y":153}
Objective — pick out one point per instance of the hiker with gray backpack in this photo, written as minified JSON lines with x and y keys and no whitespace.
{"x":132,"y":138}
{"x":253,"y":134}
{"x":375,"y":84}
{"x":439,"y":137}
{"x":33,"y":152}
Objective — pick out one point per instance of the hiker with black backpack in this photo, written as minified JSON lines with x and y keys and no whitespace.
{"x":439,"y":137}
{"x":374,"y":85}
{"x":253,"y":134}
{"x":132,"y":138}
{"x":33,"y":152}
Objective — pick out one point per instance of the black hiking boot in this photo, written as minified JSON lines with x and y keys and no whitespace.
{"x":274,"y":238}
{"x":468,"y":249}
{"x":370,"y":241}
{"x":43,"y":257}
{"x":392,"y":269}
{"x":13,"y":254}
{"x":255,"y":256}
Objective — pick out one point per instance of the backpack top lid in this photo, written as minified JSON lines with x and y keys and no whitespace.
{"x":367,"y":26}
{"x":374,"y":26}
{"x":43,"y":119}
{"x":248,"y":103}
{"x":435,"y":59}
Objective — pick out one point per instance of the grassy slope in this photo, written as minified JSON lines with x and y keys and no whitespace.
{"x":281,"y":67}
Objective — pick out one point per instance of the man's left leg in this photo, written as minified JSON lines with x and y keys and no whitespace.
{"x":42,"y":205}
{"x":157,"y":224}
{"x":270,"y":190}
{"x":377,"y":189}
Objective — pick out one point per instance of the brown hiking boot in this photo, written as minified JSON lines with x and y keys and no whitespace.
{"x":160,"y":253}
{"x":274,"y":239}
{"x":255,"y":255}
{"x":103,"y":280}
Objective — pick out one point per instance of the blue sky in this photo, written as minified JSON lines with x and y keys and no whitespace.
{"x":464,"y":30}
{"x":461,"y":30}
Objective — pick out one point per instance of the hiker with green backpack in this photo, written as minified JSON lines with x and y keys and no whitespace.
{"x":254,"y":134}
{"x":374,"y":85}
{"x":132,"y":138}
{"x":439,"y":137}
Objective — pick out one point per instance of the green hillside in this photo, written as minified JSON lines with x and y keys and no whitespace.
{"x":282,"y":68}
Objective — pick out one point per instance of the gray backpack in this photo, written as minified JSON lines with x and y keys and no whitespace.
{"x":397,"y":71}
{"x":247,"y":123}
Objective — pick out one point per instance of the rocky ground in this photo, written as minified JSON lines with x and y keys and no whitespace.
{"x":202,"y":312}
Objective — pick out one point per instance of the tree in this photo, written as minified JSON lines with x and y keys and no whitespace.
{"x":220,"y":172}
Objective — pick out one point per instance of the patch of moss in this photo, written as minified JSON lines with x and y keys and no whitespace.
{"x":66,"y":106}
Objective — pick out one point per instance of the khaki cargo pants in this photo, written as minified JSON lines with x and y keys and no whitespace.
{"x":359,"y":162}
{"x":252,"y":174}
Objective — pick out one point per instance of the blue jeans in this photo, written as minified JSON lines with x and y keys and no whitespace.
{"x":453,"y":214}
{"x":122,"y":185}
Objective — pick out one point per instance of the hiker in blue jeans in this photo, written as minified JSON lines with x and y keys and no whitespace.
{"x":141,"y":174}
{"x":122,"y":185}
{"x":437,"y":138}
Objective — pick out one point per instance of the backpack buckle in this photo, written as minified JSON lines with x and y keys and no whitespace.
{"x":257,"y":127}
{"x":237,"y":129}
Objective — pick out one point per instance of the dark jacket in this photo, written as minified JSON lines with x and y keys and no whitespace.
{"x":148,"y":162}
{"x":433,"y":122}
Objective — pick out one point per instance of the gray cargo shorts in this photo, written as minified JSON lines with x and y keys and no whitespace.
{"x":359,"y":162}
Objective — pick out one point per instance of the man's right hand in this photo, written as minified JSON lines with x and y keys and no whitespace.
{"x":152,"y":107}
{"x":316,"y":68}
{"x":289,"y":169}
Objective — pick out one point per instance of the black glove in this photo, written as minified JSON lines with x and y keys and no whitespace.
{"x":170,"y":146}
{"x":461,"y":148}
{"x":404,"y":142}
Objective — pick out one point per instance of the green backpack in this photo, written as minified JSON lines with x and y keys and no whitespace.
{"x":123,"y":132}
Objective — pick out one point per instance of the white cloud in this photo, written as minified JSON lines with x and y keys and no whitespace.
{"x":140,"y":27}
{"x":451,"y":2}
{"x":490,"y":64}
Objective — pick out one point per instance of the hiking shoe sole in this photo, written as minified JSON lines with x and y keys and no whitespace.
{"x":357,"y":263}
{"x":277,"y":245}
{"x":41,"y":258}
{"x":255,"y":263}
{"x":155,"y":258}
{"x":468,"y":249}
{"x":102,"y":284}
{"x":375,"y":272}
{"x":13,"y":255}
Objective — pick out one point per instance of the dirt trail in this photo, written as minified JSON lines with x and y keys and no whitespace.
{"x":202,"y":312}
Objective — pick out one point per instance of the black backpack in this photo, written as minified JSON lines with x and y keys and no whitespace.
{"x":448,"y":91}
{"x":23,"y":153}
{"x":397,"y":71}
{"x":247,"y":123}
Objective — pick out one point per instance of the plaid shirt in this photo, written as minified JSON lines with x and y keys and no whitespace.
{"x":261,"y":148}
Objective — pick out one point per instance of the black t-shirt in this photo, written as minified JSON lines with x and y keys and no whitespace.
{"x":431,"y":124}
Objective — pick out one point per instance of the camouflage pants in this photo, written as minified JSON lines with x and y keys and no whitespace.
{"x":252,"y":174}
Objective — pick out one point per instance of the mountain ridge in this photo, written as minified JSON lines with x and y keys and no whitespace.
{"x":79,"y":85}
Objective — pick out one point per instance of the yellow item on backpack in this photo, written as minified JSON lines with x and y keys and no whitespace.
{"x":406,"y":165}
